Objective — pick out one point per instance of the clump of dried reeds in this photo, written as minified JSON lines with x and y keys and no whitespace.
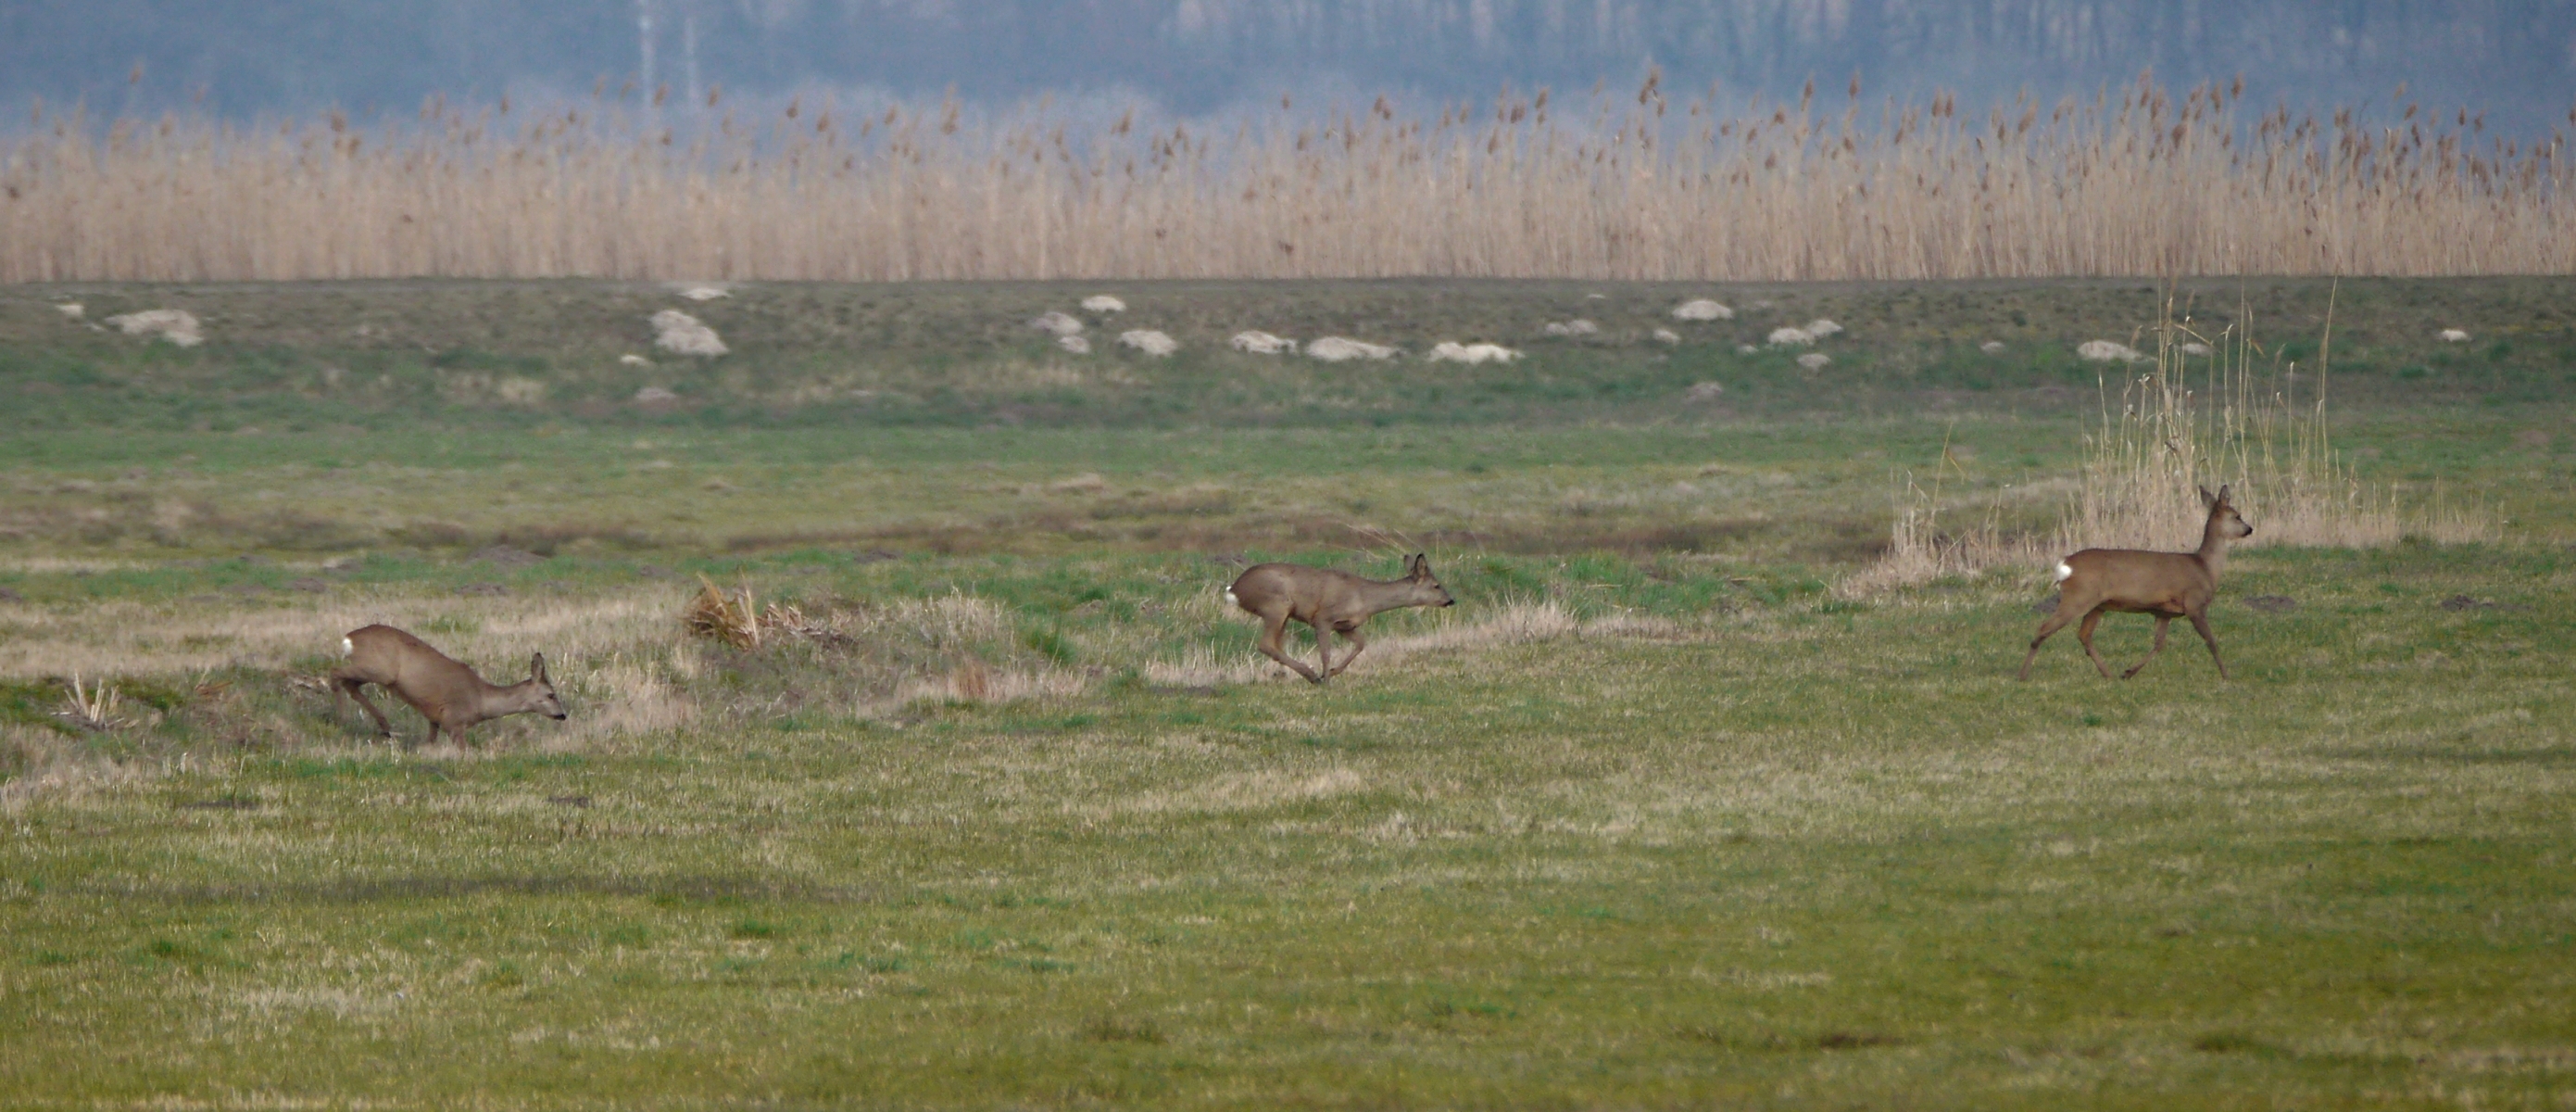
{"x":2213,"y":410}
{"x":2131,"y":182}
{"x":95,"y":709}
{"x":718,"y":616}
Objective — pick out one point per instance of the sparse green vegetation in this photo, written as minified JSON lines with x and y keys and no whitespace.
{"x":1012,"y":813}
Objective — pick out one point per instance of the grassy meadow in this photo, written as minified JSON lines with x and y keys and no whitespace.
{"x":1006,"y":810}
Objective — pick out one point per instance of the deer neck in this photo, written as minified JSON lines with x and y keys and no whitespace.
{"x":1380,"y":596}
{"x":2213,"y":546}
{"x":493,"y":700}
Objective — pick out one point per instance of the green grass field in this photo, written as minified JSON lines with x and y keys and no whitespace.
{"x":1658,"y":816}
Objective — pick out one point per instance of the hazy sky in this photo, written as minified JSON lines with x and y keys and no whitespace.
{"x":2516,"y":60}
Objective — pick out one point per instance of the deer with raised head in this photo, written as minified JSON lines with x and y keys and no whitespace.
{"x":2168,"y":585}
{"x":445,"y":692}
{"x":1330,"y":601}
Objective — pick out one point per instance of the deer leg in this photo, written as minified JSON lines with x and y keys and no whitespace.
{"x":356,"y":690}
{"x":1358,"y":643}
{"x":2055,"y":621}
{"x":1274,"y":631}
{"x":2163,"y":622}
{"x":1324,"y":649}
{"x":2084,"y":633}
{"x":2200,"y":622}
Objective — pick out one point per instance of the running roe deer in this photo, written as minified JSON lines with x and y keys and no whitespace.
{"x":2168,"y":585}
{"x":1332,"y":602}
{"x":445,"y":692}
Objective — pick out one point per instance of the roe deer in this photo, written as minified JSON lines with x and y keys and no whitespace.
{"x":1332,"y":602}
{"x":445,"y":692}
{"x":2168,"y":585}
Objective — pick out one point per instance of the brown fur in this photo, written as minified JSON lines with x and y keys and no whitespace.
{"x":1331,"y":602}
{"x":445,"y":692}
{"x":2168,"y":585}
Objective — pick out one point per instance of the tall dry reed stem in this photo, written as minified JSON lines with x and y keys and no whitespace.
{"x":2135,"y":183}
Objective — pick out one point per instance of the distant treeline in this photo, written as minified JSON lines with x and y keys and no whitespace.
{"x":1190,"y":56}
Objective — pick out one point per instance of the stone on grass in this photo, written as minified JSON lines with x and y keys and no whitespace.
{"x":682,"y":334}
{"x":2448,"y":336}
{"x":1704,"y":392}
{"x":1821,"y":328}
{"x":1257,"y":342}
{"x":1790,"y":337}
{"x":1702,"y":309}
{"x":1575,"y":327}
{"x":175,"y":326}
{"x":2105,"y":351}
{"x":1814,"y":360}
{"x":1666,"y":335}
{"x":1056,"y":324}
{"x":1447,"y":352}
{"x":1075,"y":344}
{"x":1103,"y":303}
{"x":1149,"y":341}
{"x":1337,"y":349}
{"x":1992,"y":347}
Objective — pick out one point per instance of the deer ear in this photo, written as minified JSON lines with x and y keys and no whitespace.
{"x":2222,"y":492}
{"x":2207,"y":499}
{"x":1419,"y":565}
{"x":537,"y":668}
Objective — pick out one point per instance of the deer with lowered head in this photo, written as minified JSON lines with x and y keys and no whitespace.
{"x":1330,"y":601}
{"x":445,"y":692}
{"x":2168,"y":585}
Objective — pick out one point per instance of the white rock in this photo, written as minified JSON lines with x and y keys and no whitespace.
{"x":2454,"y":336}
{"x":1257,"y":342}
{"x":1056,"y":324}
{"x":178,"y":326}
{"x":1814,"y":360}
{"x":1704,"y":392}
{"x":1821,"y":328}
{"x":1746,"y":349}
{"x":70,"y":309}
{"x":682,"y":334}
{"x":2104,"y":351}
{"x":1789,"y":337}
{"x":1447,"y":352}
{"x":1668,"y":336}
{"x":1103,"y":303}
{"x":631,"y":359}
{"x":1702,"y":309}
{"x":1074,"y":344}
{"x":1149,"y":341}
{"x":2195,"y":347}
{"x":1992,"y":347}
{"x":1335,"y":349}
{"x":652,"y":394}
{"x":705,"y":293}
{"x":1576,"y":327}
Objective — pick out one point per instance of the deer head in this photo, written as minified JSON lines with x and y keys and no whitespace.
{"x":2223,"y":515}
{"x":539,"y":691}
{"x":1426,"y":588}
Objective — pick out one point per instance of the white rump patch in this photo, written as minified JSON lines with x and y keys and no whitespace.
{"x":2064,"y":570}
{"x":348,"y":648}
{"x":1702,"y":309}
{"x":1230,"y":600}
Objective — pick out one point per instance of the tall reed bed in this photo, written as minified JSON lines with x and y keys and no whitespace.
{"x":1651,"y":187}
